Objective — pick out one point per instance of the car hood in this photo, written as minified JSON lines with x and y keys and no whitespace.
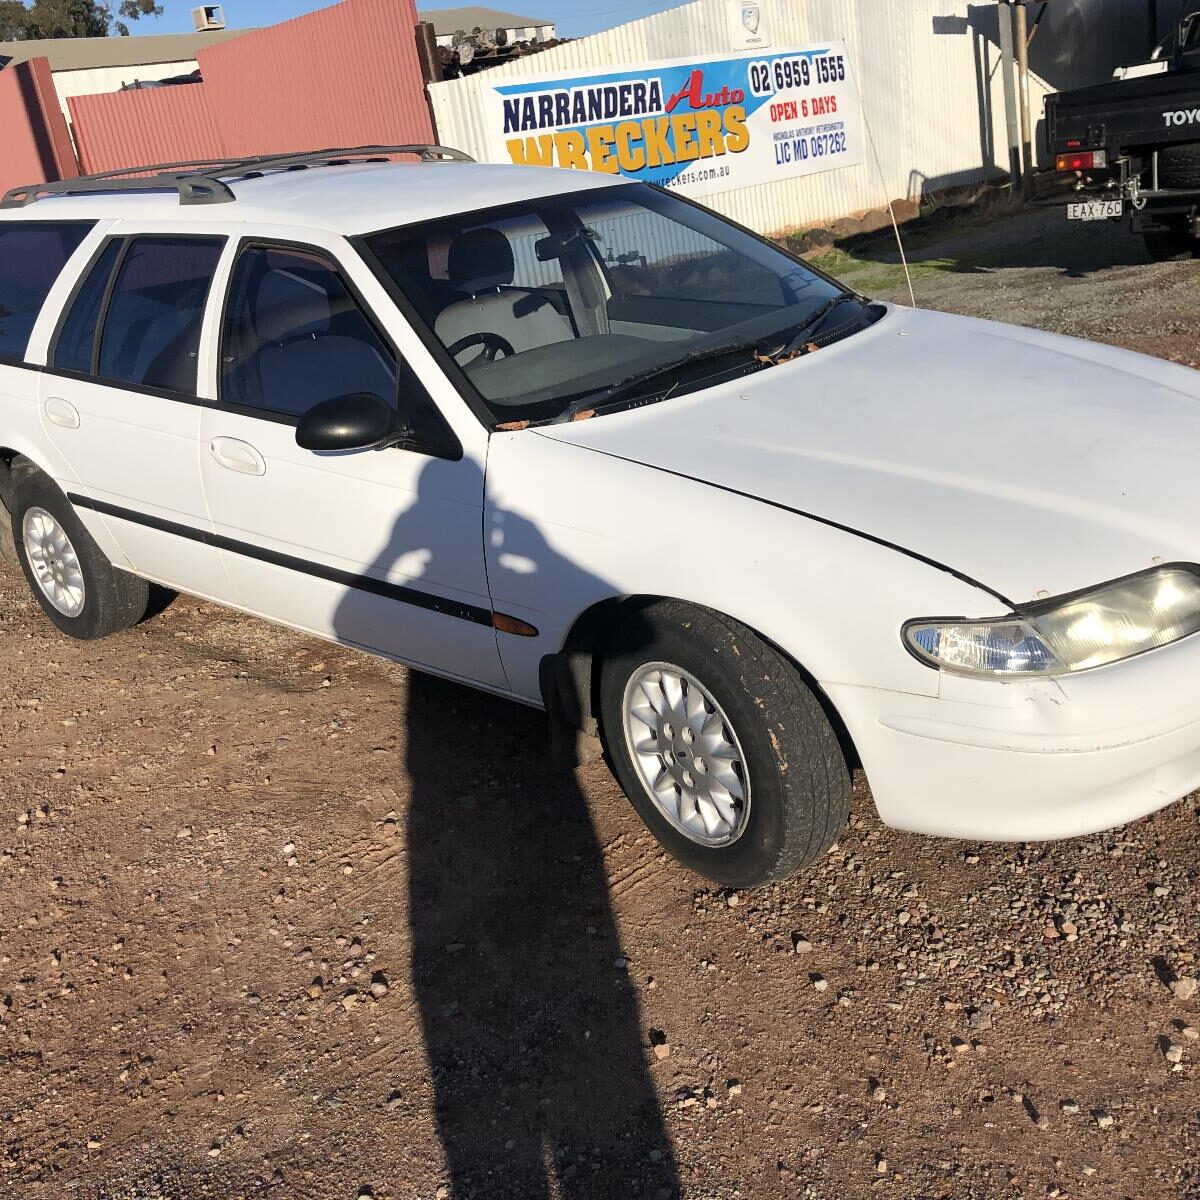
{"x":1033,"y":464}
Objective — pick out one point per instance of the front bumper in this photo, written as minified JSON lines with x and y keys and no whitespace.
{"x":1032,"y":760}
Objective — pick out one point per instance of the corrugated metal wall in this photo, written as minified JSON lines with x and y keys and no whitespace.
{"x":347,"y":75}
{"x":342,"y":76}
{"x":927,"y":71}
{"x":157,"y":125}
{"x":34,"y":142}
{"x":110,"y":79}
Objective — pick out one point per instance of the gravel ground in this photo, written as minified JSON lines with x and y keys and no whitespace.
{"x":1089,"y":280}
{"x":286,"y":921}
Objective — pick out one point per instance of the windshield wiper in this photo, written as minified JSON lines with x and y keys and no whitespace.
{"x":797,"y":340}
{"x":617,"y":392}
{"x":620,"y":390}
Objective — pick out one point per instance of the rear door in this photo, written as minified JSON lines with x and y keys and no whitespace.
{"x":119,"y":399}
{"x":38,"y":259}
{"x":380,"y":549}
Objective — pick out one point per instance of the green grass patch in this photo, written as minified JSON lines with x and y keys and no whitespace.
{"x":875,"y":274}
{"x":881,"y":271}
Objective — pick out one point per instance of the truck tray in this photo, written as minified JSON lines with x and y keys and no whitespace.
{"x":1154,"y":111}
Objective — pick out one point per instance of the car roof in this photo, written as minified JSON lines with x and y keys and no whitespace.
{"x":350,"y":199}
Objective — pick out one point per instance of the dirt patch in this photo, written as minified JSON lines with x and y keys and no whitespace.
{"x":1033,"y":267}
{"x":283,"y":920}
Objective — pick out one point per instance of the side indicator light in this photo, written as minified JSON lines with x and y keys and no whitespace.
{"x":513,"y":625}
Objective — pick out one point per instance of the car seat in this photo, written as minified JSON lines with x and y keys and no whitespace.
{"x":480,"y":263}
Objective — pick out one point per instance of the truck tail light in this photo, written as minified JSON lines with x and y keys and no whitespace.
{"x":1081,"y":160}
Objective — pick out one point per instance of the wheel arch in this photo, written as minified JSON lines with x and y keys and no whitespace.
{"x":12,"y":463}
{"x":8,"y":457}
{"x":570,"y":679}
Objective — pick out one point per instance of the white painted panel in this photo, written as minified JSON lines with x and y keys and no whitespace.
{"x":928,"y":71}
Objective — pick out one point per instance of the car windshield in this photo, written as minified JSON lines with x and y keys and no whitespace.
{"x":616,"y":293}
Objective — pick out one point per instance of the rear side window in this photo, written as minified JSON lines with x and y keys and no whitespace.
{"x":74,"y":346}
{"x":32,"y":255}
{"x":151,"y":331}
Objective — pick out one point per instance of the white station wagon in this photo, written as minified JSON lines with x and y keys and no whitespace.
{"x":579,"y":442}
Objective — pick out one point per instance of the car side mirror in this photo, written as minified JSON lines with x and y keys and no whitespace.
{"x":358,"y":421}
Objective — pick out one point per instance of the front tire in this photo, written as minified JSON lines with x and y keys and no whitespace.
{"x":69,"y":575}
{"x":723,"y":750}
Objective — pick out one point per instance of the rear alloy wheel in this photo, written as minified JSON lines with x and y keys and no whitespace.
{"x":725,"y":752}
{"x":69,"y":575}
{"x":53,"y":561}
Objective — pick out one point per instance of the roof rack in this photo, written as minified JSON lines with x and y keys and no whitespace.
{"x":205,"y":181}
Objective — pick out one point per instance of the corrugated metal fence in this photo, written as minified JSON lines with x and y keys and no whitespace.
{"x":341,"y":76}
{"x":346,"y":75}
{"x":155,"y":125}
{"x":927,"y":71}
{"x":34,"y":143}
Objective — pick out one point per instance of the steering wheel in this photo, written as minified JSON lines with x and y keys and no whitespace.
{"x":492,"y":343}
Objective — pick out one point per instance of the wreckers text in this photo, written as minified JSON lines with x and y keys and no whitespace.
{"x":635,"y":145}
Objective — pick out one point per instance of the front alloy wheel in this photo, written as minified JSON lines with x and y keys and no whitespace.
{"x":725,"y":752}
{"x":687,"y":754}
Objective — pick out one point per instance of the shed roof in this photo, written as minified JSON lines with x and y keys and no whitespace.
{"x":79,"y":54}
{"x":449,"y":20}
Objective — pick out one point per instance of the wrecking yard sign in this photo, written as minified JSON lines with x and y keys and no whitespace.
{"x":702,"y":127}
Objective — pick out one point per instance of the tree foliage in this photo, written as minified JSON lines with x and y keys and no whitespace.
{"x":71,"y":18}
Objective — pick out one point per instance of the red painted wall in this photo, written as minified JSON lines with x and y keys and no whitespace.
{"x":342,"y":76}
{"x":154,"y":125}
{"x":34,"y":142}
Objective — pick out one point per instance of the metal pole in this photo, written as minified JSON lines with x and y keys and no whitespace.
{"x":431,"y":66}
{"x":1004,"y":17}
{"x":427,"y":52}
{"x":1021,"y":36}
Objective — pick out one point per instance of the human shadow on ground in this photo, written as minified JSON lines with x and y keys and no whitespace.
{"x":538,"y":1058}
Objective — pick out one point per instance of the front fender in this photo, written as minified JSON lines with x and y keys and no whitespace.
{"x":566,"y":528}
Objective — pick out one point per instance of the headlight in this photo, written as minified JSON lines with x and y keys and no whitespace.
{"x":1090,"y":629}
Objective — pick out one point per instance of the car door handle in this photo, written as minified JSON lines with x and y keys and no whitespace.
{"x":236,"y":455}
{"x":62,"y":412}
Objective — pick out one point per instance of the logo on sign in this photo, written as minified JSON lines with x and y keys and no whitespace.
{"x":749,"y":24}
